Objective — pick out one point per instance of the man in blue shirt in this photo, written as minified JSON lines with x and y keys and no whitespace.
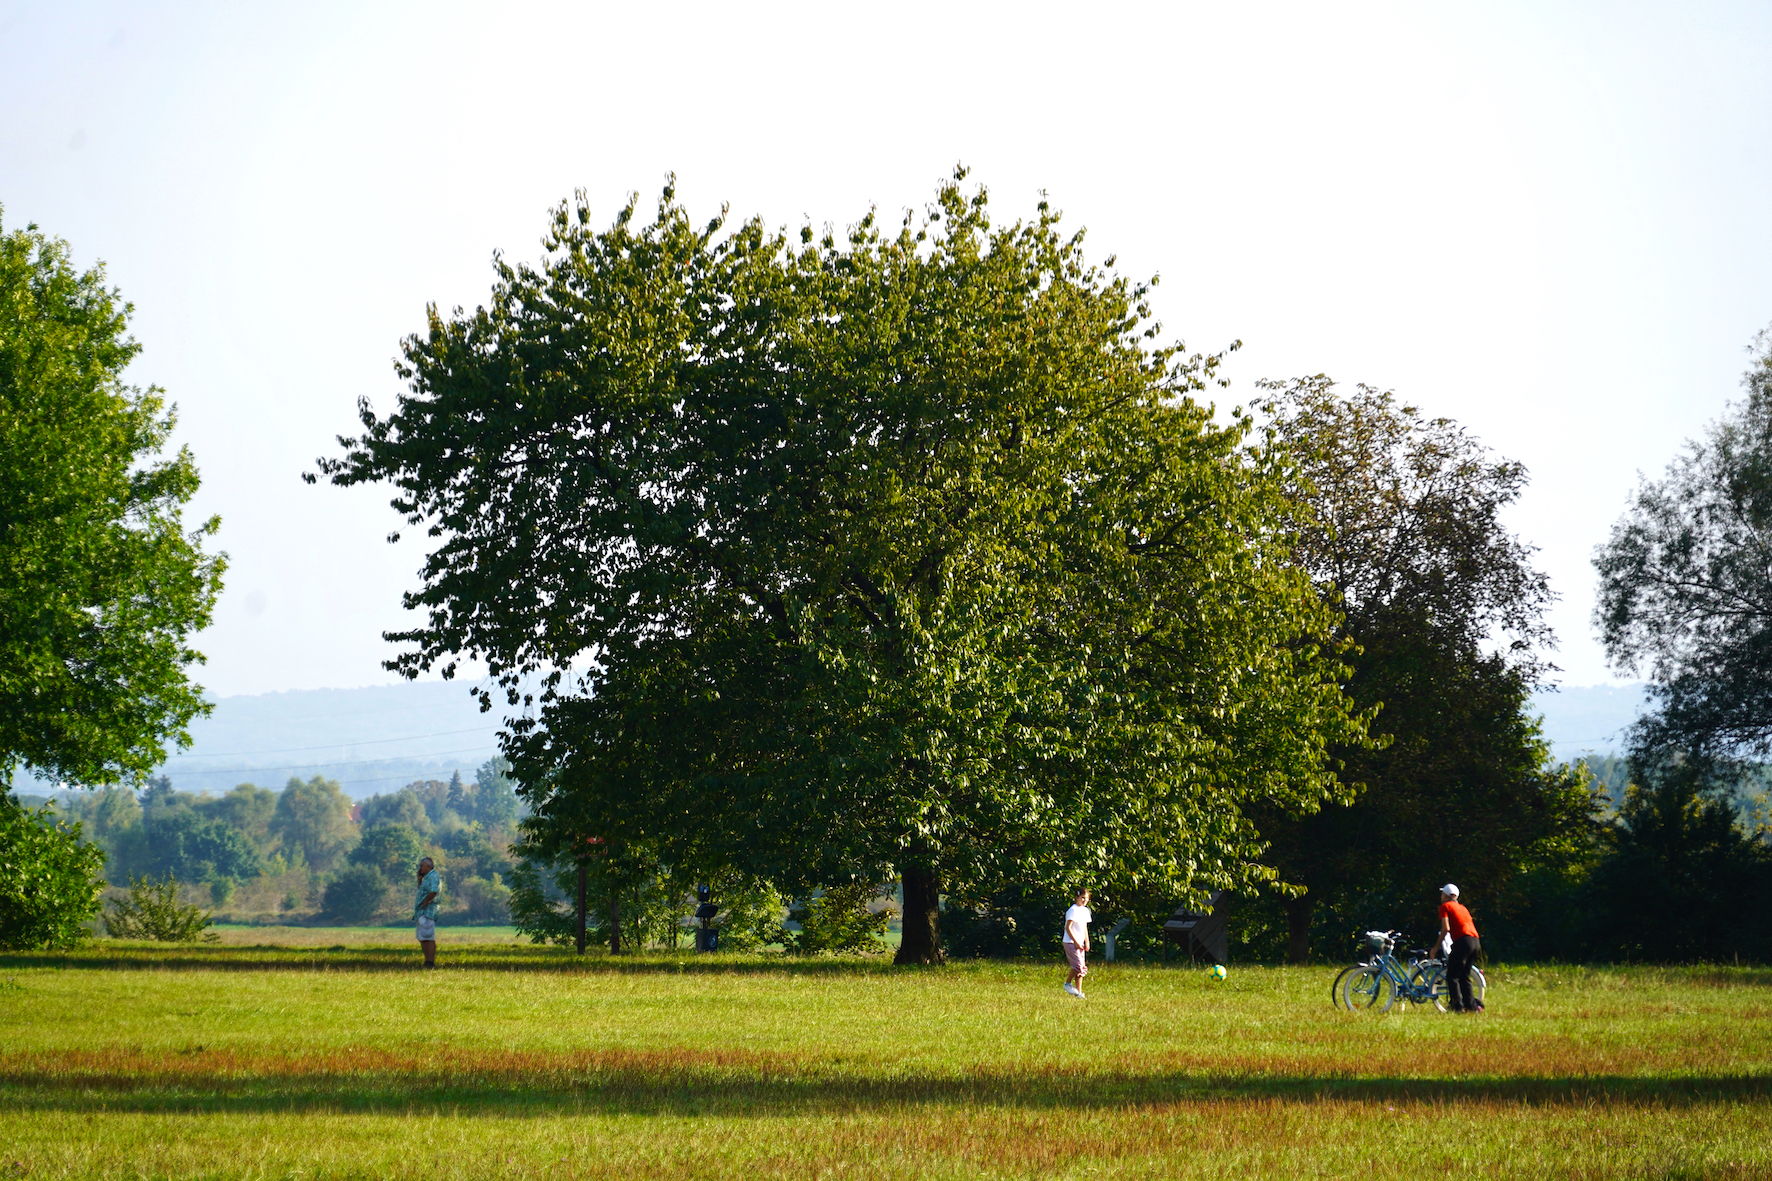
{"x":425,"y":910}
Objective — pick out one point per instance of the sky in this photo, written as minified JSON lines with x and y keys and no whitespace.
{"x":1546,"y":221}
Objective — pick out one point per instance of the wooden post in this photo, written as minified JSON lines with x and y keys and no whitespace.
{"x":581,"y":906}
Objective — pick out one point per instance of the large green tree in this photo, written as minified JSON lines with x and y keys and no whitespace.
{"x":902,"y":553}
{"x":101,"y":586}
{"x":1402,"y":523}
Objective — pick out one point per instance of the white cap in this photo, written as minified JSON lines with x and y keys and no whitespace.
{"x":1450,"y":889}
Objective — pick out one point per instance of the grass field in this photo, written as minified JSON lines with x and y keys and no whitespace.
{"x":342,"y":1060}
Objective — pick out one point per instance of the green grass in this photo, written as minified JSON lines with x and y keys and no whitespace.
{"x":127,"y":1061}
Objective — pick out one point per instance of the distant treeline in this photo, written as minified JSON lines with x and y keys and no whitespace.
{"x":307,"y":853}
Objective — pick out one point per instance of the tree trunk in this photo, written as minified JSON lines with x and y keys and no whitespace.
{"x":614,"y":922}
{"x":921,"y":943}
{"x":581,"y":908}
{"x":1298,"y":929}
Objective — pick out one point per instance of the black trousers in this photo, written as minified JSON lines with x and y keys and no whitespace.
{"x":1458,"y":971}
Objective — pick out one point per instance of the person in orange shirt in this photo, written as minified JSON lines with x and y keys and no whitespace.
{"x":1456,"y":926}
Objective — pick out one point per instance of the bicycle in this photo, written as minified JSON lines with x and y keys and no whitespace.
{"x":1435,"y":972}
{"x":1380,"y":982}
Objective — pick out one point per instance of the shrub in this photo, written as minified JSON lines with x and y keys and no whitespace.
{"x":49,"y":880}
{"x":153,"y":911}
{"x":483,"y":901}
{"x":750,"y":915}
{"x":837,"y":920}
{"x":354,"y":895}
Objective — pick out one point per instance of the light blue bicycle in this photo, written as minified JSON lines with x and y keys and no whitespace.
{"x":1381,"y":981}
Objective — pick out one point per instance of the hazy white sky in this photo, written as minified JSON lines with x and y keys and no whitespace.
{"x":1548,"y":221}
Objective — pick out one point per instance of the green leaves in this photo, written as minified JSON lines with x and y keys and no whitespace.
{"x":152,"y":911}
{"x":865,"y":553}
{"x":100,"y":586}
{"x":49,"y":880}
{"x":1686,"y":585}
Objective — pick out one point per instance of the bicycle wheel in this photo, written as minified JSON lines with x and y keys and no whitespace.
{"x":1367,"y":990}
{"x":1430,"y":982}
{"x":1436,"y":980}
{"x":1335,"y":986}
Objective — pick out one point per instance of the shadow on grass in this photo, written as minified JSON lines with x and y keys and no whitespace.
{"x":635,"y":1097}
{"x":743,"y":1083}
{"x":340,"y":958}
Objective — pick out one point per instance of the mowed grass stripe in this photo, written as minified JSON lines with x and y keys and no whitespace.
{"x":1189,"y":1139}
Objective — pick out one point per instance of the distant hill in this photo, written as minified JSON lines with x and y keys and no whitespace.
{"x":371,"y":740}
{"x":379,"y":738}
{"x":1579,"y":719}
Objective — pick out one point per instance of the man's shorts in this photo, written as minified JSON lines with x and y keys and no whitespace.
{"x":427,"y":928}
{"x":1074,"y":957}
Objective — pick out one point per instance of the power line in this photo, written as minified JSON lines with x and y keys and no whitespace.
{"x":323,"y":766}
{"x":228,"y":754}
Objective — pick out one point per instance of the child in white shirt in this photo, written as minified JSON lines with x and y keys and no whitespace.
{"x":1076,"y":943}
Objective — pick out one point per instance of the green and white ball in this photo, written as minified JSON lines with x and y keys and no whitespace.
{"x":1217,"y":972}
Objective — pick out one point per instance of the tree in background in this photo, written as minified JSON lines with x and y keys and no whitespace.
{"x":1680,"y":874}
{"x":401,"y":807}
{"x":1686,"y":585}
{"x":101,"y":586}
{"x":315,"y":817}
{"x":1686,"y":600}
{"x":392,"y":850}
{"x":493,"y":801}
{"x":49,"y":880}
{"x":179,"y":840}
{"x":907,"y":555}
{"x":1402,"y":525}
{"x":110,"y":818}
{"x":247,"y":809}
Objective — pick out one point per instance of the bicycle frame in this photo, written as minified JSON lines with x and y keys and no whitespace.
{"x":1383,"y":980}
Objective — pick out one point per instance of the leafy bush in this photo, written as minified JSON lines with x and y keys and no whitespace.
{"x":354,"y":895}
{"x":479,"y":900}
{"x":49,"y":880}
{"x":153,"y":911}
{"x":750,"y":915}
{"x":837,"y":920}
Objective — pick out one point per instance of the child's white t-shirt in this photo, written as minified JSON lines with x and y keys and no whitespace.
{"x":1076,"y":914}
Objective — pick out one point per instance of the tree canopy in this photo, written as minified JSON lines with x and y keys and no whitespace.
{"x":1686,"y":584}
{"x":314,"y":818}
{"x":1401,"y":524}
{"x":101,"y":586}
{"x":898,"y":553}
